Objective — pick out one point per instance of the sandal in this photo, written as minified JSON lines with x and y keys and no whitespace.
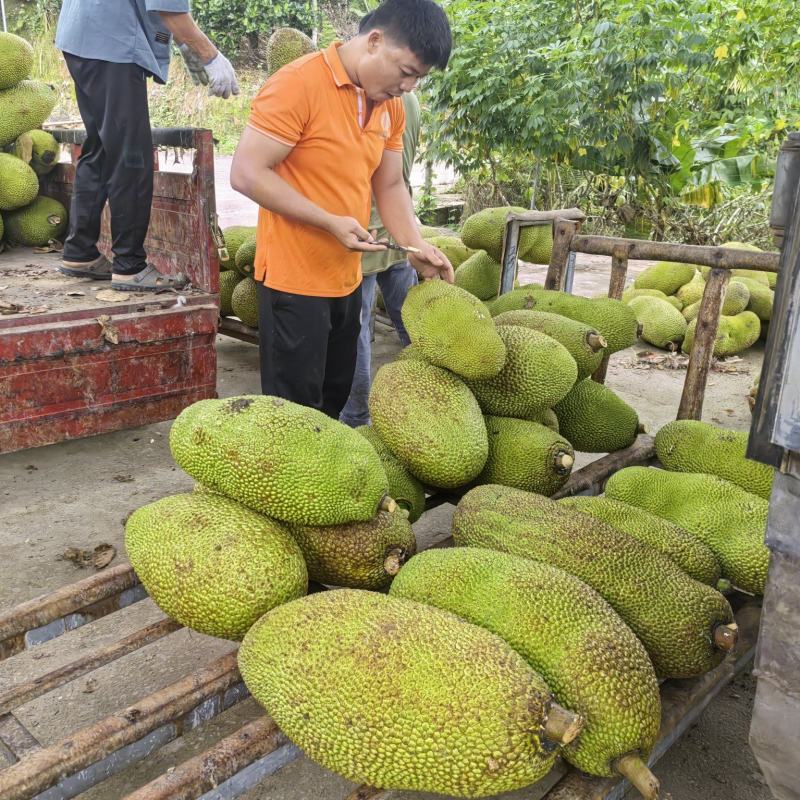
{"x":148,"y":280}
{"x":98,"y":270}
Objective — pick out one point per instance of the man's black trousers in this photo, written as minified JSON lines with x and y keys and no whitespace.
{"x":308,"y":347}
{"x":116,"y":162}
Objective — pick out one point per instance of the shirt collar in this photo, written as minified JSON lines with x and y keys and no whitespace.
{"x":334,"y":62}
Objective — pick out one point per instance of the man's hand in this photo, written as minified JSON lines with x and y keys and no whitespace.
{"x":431,"y":263}
{"x":194,"y":65}
{"x":351,"y":235}
{"x":221,"y":77}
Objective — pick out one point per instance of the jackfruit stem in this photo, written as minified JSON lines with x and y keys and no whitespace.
{"x":636,"y":771}
{"x":596,"y":341}
{"x":724,"y":586}
{"x":563,"y":461}
{"x":387,"y":504}
{"x":393,"y":561}
{"x":726,"y":636}
{"x":562,"y":726}
{"x":641,"y":428}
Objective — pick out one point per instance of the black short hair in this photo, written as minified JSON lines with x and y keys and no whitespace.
{"x":419,"y":25}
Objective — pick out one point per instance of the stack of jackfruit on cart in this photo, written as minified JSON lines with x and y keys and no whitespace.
{"x":26,"y":152}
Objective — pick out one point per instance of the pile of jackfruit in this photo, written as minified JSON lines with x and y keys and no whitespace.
{"x":238,"y":291}
{"x":26,"y":151}
{"x":666,"y":299}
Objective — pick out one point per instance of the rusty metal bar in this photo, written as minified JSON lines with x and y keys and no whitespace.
{"x":238,"y":330}
{"x":639,"y":250}
{"x":563,"y":232}
{"x":16,"y":738}
{"x":619,"y":273}
{"x":25,"y":692}
{"x":694,"y":386}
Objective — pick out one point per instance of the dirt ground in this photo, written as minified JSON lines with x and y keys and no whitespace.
{"x":77,"y":494}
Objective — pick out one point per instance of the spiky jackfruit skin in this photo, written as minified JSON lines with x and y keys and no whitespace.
{"x":526,"y":455}
{"x":479,"y":275}
{"x":245,"y":259}
{"x":724,"y":516}
{"x":430,"y":421}
{"x":24,"y":107}
{"x":235,"y":236}
{"x":484,"y":231}
{"x":244,"y":301}
{"x":404,"y":488}
{"x":37,"y":148}
{"x":574,"y":335}
{"x":453,"y":330}
{"x":761,"y":298}
{"x":396,"y":694}
{"x":590,"y":659}
{"x":228,"y":281}
{"x":631,"y":293}
{"x":687,"y":445}
{"x":546,"y":417}
{"x":673,"y":615}
{"x":427,"y":232}
{"x":539,"y":371}
{"x":354,"y":555}
{"x":36,"y":224}
{"x":666,"y":276}
{"x":662,"y":324}
{"x":18,"y":183}
{"x":595,"y":419}
{"x":695,"y":558}
{"x":212,"y":564}
{"x":16,"y":60}
{"x":411,"y":352}
{"x":737,"y":297}
{"x":282,"y":459}
{"x":692,"y":291}
{"x":455,"y":250}
{"x":284,"y":46}
{"x":734,"y":334}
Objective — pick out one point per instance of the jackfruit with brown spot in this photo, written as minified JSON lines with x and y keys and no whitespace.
{"x":245,"y":259}
{"x":37,"y":148}
{"x":37,"y":224}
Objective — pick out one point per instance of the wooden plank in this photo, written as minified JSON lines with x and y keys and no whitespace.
{"x":509,"y":255}
{"x":563,"y":231}
{"x":17,"y":740}
{"x":236,"y":329}
{"x":619,"y":274}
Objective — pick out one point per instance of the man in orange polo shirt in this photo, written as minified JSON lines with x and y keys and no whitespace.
{"x":324,"y":135}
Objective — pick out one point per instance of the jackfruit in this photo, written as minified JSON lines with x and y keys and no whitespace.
{"x":430,"y":421}
{"x":631,"y":293}
{"x":666,"y":276}
{"x":24,"y":107}
{"x":484,"y":231}
{"x":675,"y":617}
{"x":36,"y":224}
{"x":692,"y":556}
{"x":453,"y":330}
{"x":235,"y":236}
{"x":16,"y":60}
{"x":455,"y":250}
{"x":244,"y":301}
{"x":287,"y":461}
{"x":662,"y":324}
{"x":519,"y":299}
{"x":737,"y":297}
{"x":286,"y":45}
{"x":427,"y":232}
{"x":591,"y":660}
{"x":212,"y":564}
{"x":728,"y":519}
{"x":411,"y":352}
{"x":692,"y":291}
{"x":228,"y":281}
{"x":539,"y":371}
{"x":687,"y":445}
{"x":404,"y":488}
{"x":585,"y":344}
{"x":595,"y":419}
{"x":400,"y":695}
{"x":734,"y":334}
{"x":245,"y":258}
{"x":479,"y":275}
{"x":18,"y":182}
{"x":37,"y":148}
{"x":772,"y":279}
{"x":760,"y":300}
{"x":546,"y":417}
{"x":690,"y":312}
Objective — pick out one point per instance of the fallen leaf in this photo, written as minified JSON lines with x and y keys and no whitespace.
{"x":123,"y":478}
{"x":109,"y":331}
{"x":90,"y":686}
{"x":113,"y":296}
{"x":100,"y":557}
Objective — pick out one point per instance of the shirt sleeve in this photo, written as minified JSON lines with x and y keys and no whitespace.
{"x":281,"y":108}
{"x":397,"y":115}
{"x":176,"y":6}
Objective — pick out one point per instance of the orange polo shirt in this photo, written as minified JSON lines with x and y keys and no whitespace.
{"x":313,"y":106}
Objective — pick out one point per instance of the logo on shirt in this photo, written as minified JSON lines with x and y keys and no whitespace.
{"x":386,"y":124}
{"x":162,"y":37}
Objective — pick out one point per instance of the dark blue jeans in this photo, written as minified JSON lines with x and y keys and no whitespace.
{"x":395,"y":283}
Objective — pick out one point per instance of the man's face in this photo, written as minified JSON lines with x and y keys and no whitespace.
{"x":389,"y":69}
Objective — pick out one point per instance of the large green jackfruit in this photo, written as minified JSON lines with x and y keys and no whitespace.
{"x":737,"y":296}
{"x":284,"y":46}
{"x":666,"y":276}
{"x":235,"y":236}
{"x":228,"y":279}
{"x":18,"y":182}
{"x":695,"y":558}
{"x":724,"y":516}
{"x":687,"y":445}
{"x":584,"y":343}
{"x":24,"y":107}
{"x":453,"y":330}
{"x":675,"y":617}
{"x":16,"y":60}
{"x":428,"y":232}
{"x":212,"y":564}
{"x":760,"y":300}
{"x":244,"y":301}
{"x":630,"y":293}
{"x":285,"y":460}
{"x":484,"y":231}
{"x":662,"y":324}
{"x":37,"y":148}
{"x":595,"y":419}
{"x":245,"y":259}
{"x":400,"y":695}
{"x":430,"y":421}
{"x":734,"y":334}
{"x":692,"y":291}
{"x":455,"y":250}
{"x":36,"y":224}
{"x":539,"y":371}
{"x":591,"y":660}
{"x":526,"y":455}
{"x":404,"y":488}
{"x":479,"y":275}
{"x":357,"y":555}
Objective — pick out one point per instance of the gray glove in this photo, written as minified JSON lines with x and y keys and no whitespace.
{"x":194,"y":65}
{"x":221,"y":77}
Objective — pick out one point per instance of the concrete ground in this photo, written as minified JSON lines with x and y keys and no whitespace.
{"x":77,"y":494}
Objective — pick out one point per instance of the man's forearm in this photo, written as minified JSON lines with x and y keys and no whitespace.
{"x":397,"y":213}
{"x":185,"y":31}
